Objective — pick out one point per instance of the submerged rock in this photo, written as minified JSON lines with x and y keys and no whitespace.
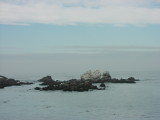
{"x":37,"y":88}
{"x":102,"y":85}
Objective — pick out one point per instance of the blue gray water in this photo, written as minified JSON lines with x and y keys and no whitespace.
{"x":138,"y":101}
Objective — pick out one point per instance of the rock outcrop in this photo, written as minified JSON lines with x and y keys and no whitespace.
{"x":70,"y":85}
{"x":46,"y":79}
{"x":86,"y":83}
{"x":80,"y":84}
{"x":129,"y":80}
{"x":5,"y":82}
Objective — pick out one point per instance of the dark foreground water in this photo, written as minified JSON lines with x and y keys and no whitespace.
{"x":140,"y":101}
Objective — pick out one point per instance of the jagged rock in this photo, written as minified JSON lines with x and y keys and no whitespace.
{"x":46,"y":80}
{"x":4,"y":82}
{"x":80,"y":85}
{"x":70,"y":85}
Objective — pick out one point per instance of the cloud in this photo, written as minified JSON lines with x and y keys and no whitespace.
{"x":114,"y":47}
{"x":103,"y":49}
{"x":72,"y":12}
{"x":77,"y":49}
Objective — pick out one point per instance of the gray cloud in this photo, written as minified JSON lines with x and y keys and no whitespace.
{"x":104,"y":49}
{"x":114,"y":47}
{"x":71,"y":12}
{"x":76,"y":49}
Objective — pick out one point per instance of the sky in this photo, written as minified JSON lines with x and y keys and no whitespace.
{"x":47,"y":36}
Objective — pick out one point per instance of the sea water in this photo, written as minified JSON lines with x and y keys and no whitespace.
{"x":119,"y":101}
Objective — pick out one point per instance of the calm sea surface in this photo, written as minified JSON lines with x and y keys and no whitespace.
{"x":140,"y":101}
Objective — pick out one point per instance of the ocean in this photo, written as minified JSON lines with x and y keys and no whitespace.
{"x":140,"y":101}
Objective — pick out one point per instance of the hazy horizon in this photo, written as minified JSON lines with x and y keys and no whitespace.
{"x":38,"y":36}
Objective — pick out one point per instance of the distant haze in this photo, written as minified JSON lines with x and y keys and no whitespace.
{"x":60,"y":36}
{"x":71,"y":63}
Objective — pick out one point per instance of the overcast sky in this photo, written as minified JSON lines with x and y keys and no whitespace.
{"x":77,"y":35}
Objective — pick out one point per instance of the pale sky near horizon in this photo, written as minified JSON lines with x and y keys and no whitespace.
{"x":78,"y":35}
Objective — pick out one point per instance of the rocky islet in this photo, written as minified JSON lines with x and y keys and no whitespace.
{"x":6,"y":82}
{"x":79,"y":84}
{"x":47,"y":83}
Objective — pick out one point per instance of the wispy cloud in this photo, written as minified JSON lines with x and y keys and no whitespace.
{"x":112,"y":47}
{"x":76,"y":49}
{"x":103,"y":49}
{"x":71,"y":12}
